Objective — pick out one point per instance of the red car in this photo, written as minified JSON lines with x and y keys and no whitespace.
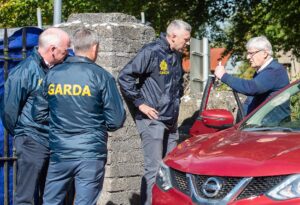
{"x":256,"y":161}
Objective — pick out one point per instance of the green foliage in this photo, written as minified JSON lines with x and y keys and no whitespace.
{"x":295,"y":107}
{"x":278,"y":20}
{"x":20,"y":12}
{"x":295,"y":102}
{"x":199,"y":13}
{"x":222,"y":87}
{"x":246,"y":71}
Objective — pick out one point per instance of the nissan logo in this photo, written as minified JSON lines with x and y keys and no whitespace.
{"x":212,"y":187}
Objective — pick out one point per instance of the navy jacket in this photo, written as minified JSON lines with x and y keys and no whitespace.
{"x":265,"y":83}
{"x":154,"y":78}
{"x":83,"y":103}
{"x":21,"y":87}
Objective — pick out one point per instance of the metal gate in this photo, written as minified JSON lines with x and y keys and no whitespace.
{"x":9,"y":159}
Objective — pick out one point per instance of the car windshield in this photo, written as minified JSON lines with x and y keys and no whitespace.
{"x":281,"y":113}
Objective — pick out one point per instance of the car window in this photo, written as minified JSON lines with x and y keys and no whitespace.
{"x":221,"y":98}
{"x":280,"y":113}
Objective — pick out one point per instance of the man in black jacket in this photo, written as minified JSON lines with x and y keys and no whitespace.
{"x":31,"y":138}
{"x":83,"y":103}
{"x":156,"y":97}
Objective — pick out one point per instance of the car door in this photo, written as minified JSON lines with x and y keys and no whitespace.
{"x":214,"y":120}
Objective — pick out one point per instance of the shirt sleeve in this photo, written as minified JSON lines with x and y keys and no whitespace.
{"x":17,"y":89}
{"x":261,"y":83}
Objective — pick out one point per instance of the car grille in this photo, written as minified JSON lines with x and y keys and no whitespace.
{"x":258,"y":185}
{"x":180,"y":181}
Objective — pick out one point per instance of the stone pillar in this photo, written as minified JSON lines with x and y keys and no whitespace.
{"x":121,"y":36}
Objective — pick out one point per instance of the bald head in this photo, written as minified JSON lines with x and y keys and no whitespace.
{"x":53,"y":45}
{"x":52,"y":36}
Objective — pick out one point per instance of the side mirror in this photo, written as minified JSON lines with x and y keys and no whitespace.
{"x":217,"y":118}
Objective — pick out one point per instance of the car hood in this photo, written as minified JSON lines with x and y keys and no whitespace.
{"x":238,"y":153}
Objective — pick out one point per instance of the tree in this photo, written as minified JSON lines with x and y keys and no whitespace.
{"x":18,"y":13}
{"x":276,"y":19}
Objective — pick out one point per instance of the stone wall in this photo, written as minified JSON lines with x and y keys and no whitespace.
{"x":121,"y":36}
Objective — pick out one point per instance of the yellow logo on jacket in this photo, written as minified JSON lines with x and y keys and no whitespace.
{"x":40,"y":81}
{"x":69,"y":89}
{"x":163,"y":68}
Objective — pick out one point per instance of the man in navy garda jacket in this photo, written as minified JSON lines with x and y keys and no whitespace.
{"x":31,"y":138}
{"x":270,"y":76}
{"x":156,"y":97}
{"x":83,"y":103}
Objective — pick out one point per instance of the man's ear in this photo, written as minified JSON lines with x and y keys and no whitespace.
{"x":52,"y":48}
{"x":173,"y":36}
{"x":266,"y":54}
{"x":96,"y":47}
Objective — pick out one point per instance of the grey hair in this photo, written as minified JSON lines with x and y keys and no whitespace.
{"x":178,"y":24}
{"x":84,"y":39}
{"x":260,"y":43}
{"x":51,"y":36}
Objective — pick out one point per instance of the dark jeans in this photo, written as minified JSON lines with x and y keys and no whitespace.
{"x":32,"y":164}
{"x":157,"y":141}
{"x":88,"y":176}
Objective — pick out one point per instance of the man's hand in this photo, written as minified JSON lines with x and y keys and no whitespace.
{"x":219,"y":71}
{"x":149,"y":111}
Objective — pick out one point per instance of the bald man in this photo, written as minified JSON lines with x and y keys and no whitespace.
{"x":31,"y":138}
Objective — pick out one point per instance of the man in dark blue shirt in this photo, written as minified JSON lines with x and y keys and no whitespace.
{"x":83,"y":103}
{"x":270,"y":76}
{"x":31,"y":138}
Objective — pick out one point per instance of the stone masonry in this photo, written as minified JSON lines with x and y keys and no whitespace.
{"x":121,"y":36}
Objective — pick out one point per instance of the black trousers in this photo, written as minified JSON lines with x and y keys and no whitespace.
{"x":32,"y":165}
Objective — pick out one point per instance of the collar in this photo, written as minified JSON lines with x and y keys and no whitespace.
{"x":162,"y":40}
{"x":48,"y":64}
{"x":78,"y":59}
{"x":40,"y":60}
{"x":265,"y":65}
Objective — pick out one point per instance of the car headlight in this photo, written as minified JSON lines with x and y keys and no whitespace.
{"x":288,"y":189}
{"x":163,"y":177}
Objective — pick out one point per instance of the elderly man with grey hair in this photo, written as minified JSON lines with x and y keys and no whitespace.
{"x":270,"y":76}
{"x":82,"y":102}
{"x":155,"y":98}
{"x":31,"y":138}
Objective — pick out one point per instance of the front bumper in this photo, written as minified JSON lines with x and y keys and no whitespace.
{"x":170,"y":197}
{"x":175,"y":197}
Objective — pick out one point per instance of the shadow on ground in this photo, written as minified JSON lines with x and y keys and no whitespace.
{"x":134,"y":200}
